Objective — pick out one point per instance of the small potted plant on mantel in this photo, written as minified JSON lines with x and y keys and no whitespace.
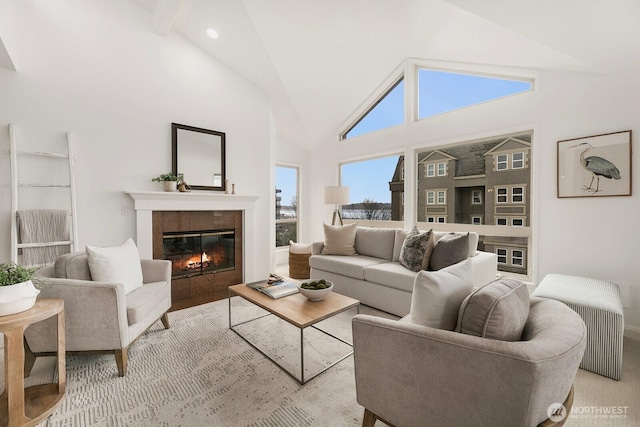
{"x":170,"y":181}
{"x":17,"y":292}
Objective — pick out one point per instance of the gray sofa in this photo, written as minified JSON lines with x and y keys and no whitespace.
{"x":99,"y":316}
{"x":375,"y":276}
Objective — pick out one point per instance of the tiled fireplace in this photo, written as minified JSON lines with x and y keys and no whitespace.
{"x":207,"y":236}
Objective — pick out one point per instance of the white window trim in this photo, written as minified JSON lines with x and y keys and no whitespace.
{"x":515,"y":219}
{"x":505,"y":162}
{"x":433,"y":197}
{"x":474,"y":217}
{"x":522,"y":258}
{"x":444,"y":197}
{"x":506,"y":255}
{"x":444,"y":168}
{"x":519,"y":195}
{"x":430,"y":170}
{"x":506,"y":195}
{"x":523,"y":160}
{"x":473,"y":193}
{"x":506,"y":221}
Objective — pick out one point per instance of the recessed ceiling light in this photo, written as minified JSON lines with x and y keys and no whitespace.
{"x":212,"y":33}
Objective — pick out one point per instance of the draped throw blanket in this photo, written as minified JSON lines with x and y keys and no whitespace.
{"x":41,"y":226}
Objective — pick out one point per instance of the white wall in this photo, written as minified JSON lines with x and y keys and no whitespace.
{"x":593,"y":237}
{"x":96,"y":69}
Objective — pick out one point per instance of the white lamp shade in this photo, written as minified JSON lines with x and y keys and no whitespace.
{"x":336,"y":195}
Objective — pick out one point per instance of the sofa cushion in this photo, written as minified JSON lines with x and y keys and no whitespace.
{"x":398,"y":242}
{"x":300,"y":248}
{"x":143,"y":300}
{"x":72,"y":266}
{"x":415,"y":248}
{"x":353,"y":266}
{"x":117,"y":264}
{"x":449,"y":250}
{"x":437,"y":295}
{"x":473,"y":239}
{"x":390,"y":274}
{"x":498,"y":311}
{"x":339,"y":240}
{"x":375,"y":242}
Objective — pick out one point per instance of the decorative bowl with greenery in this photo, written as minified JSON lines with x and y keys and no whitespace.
{"x":17,"y":292}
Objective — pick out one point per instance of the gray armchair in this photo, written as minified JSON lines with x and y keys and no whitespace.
{"x":99,"y":316}
{"x":412,"y":375}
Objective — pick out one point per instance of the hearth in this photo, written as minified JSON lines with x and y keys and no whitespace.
{"x":197,"y":253}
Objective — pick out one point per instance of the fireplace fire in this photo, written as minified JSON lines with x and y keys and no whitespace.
{"x":196,"y":253}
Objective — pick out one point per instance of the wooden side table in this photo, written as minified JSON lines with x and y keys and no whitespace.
{"x":27,"y":407}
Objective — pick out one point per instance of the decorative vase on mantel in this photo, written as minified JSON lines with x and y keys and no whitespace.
{"x":17,"y":298}
{"x":170,"y":185}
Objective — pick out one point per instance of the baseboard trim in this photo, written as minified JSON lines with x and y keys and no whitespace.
{"x":632,"y":332}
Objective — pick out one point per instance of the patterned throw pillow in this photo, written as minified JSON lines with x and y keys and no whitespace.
{"x":414,"y":249}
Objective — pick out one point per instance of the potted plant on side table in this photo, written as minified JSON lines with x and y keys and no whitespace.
{"x":170,"y":181}
{"x":17,"y":292}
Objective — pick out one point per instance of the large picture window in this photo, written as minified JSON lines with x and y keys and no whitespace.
{"x":488,"y":197}
{"x":376,"y":188}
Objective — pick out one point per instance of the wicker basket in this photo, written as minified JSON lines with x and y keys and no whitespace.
{"x":299,"y":266}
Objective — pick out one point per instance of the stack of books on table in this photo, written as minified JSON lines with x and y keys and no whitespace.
{"x":275,"y":290}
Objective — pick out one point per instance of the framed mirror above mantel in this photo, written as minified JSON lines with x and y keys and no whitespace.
{"x":198,"y":155}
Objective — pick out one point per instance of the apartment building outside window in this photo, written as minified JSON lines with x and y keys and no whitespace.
{"x":483,"y":184}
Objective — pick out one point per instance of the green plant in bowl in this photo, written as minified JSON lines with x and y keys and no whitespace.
{"x":316,"y":290}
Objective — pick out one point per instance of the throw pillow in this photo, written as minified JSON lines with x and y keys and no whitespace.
{"x":339,"y":240}
{"x":449,"y":250}
{"x":414,"y":249}
{"x":118,"y":264}
{"x":498,"y":311}
{"x":300,"y":248}
{"x":437,"y":295}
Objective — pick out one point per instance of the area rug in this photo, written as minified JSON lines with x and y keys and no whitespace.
{"x":200,"y":373}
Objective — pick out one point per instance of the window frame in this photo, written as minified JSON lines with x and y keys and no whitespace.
{"x":514,"y":257}
{"x":296,"y":219}
{"x":513,"y":195}
{"x":504,"y":162}
{"x":441,"y":195}
{"x":506,"y":255}
{"x":513,"y":160}
{"x":443,"y":169}
{"x":478,"y":217}
{"x":500,"y":218}
{"x":505,"y":195}
{"x":430,"y":170}
{"x":473,"y":198}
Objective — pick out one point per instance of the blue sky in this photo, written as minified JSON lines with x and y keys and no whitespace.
{"x":439,"y":92}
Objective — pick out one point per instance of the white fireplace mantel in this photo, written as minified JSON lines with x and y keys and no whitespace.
{"x":145,"y":202}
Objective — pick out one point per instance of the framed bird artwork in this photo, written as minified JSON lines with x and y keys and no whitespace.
{"x":595,"y":166}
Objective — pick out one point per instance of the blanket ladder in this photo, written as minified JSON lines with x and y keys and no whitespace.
{"x":15,"y":154}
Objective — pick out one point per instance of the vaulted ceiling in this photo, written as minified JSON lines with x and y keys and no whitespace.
{"x":319,"y":60}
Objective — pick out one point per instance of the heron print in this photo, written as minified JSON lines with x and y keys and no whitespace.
{"x":598,"y":167}
{"x":593,"y":166}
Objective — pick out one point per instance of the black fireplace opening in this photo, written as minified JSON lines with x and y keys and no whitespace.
{"x":199,"y":252}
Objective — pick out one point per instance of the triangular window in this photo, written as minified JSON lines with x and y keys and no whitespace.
{"x":387,"y":112}
{"x":442,"y":91}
